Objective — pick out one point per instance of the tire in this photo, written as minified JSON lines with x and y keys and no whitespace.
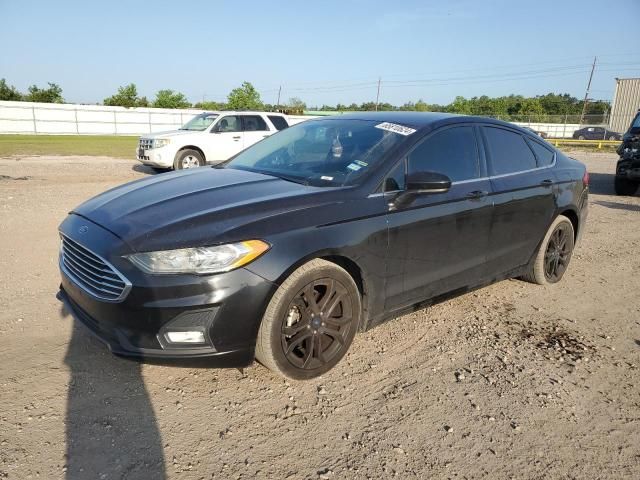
{"x":188,"y":158}
{"x":624,"y":187}
{"x":554,"y":254}
{"x":160,"y":169}
{"x":580,"y":137}
{"x":290,"y":332}
{"x":612,"y":137}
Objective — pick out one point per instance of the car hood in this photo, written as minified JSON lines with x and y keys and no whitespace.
{"x":203,"y":206}
{"x":170,"y":133}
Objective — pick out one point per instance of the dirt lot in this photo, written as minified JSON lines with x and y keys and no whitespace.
{"x":512,"y":381}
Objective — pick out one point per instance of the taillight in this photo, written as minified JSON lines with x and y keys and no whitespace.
{"x":585,"y":179}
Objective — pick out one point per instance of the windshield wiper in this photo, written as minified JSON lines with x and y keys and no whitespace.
{"x":288,"y":178}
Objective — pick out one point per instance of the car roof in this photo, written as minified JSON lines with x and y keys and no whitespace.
{"x":418,"y":120}
{"x":240,"y":112}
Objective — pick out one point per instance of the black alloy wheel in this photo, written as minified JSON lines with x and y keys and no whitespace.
{"x":317,"y":324}
{"x":310,"y":321}
{"x":558,"y":253}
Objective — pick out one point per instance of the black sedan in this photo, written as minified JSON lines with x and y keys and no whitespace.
{"x":596,"y":133}
{"x":324,"y":229}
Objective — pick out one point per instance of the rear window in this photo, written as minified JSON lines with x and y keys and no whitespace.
{"x":279,"y":122}
{"x":254,"y":123}
{"x":509,"y":151}
{"x":543,"y":154}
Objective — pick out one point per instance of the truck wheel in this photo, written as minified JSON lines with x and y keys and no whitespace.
{"x":580,"y":137}
{"x":612,"y":137}
{"x":310,"y":321}
{"x":553,"y":256}
{"x":188,"y":159}
{"x":624,"y":186}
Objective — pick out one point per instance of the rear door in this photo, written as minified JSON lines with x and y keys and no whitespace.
{"x":438,"y":243}
{"x":255,"y":129}
{"x":225,"y":139}
{"x":523,"y":197}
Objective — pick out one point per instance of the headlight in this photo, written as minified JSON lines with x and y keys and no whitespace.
{"x":161,"y":142}
{"x":221,"y":258}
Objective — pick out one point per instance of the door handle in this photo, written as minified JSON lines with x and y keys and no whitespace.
{"x":237,"y":138}
{"x":477,"y":194}
{"x":547,"y":182}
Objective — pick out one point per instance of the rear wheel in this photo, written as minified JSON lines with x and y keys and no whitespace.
{"x":624,"y":186}
{"x":554,"y":254}
{"x":612,"y":137}
{"x":188,"y":159}
{"x":310,"y":321}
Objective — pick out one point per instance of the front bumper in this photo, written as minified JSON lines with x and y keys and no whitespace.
{"x":156,"y":157}
{"x":228,"y":307}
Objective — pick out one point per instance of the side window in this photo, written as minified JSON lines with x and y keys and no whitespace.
{"x":254,"y":123}
{"x":279,"y":122}
{"x":543,"y":154}
{"x":509,"y":151}
{"x":230,"y":123}
{"x":452,"y":152}
{"x":395,"y":178}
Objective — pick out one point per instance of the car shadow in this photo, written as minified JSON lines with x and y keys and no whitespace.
{"x":111,"y":429}
{"x":601,"y":183}
{"x":619,"y":206}
{"x":146,"y":169}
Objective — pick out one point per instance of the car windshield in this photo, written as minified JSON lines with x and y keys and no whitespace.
{"x":200,"y":122}
{"x":323,"y":152}
{"x":635,"y":125}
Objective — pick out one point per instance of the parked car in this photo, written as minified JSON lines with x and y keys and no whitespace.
{"x":627,"y":177}
{"x":324,"y":229}
{"x":210,"y":137}
{"x":540,"y":133}
{"x":596,"y":133}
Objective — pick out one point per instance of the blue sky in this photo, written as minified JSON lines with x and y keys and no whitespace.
{"x":324,"y":51}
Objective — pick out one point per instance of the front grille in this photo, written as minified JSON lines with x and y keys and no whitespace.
{"x":91,"y":273}
{"x":145,"y":143}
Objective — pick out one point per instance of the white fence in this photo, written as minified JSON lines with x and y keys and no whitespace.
{"x":71,"y":119}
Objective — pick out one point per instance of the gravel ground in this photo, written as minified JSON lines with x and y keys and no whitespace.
{"x":511,"y":381}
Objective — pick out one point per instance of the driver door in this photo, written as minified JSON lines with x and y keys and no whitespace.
{"x":225,"y":139}
{"x":439,"y":241}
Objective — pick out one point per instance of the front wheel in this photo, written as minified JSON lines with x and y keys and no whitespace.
{"x":624,"y":187}
{"x":188,"y":159}
{"x":553,"y":256}
{"x":580,"y":137}
{"x":310,"y":321}
{"x":612,"y":137}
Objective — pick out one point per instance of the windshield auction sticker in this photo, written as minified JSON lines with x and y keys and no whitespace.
{"x":395,"y":128}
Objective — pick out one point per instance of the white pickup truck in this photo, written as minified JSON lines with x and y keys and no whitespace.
{"x":211,"y":137}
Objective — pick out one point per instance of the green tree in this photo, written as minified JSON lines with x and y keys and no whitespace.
{"x":210,"y":106}
{"x":9,"y":92}
{"x":295,"y":103}
{"x":127,"y":96}
{"x":53,"y":94}
{"x":245,"y":97}
{"x":170,"y":99}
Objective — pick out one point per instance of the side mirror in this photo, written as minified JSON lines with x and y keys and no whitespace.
{"x":427,"y":182}
{"x":420,"y":183}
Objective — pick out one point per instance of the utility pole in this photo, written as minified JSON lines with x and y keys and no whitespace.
{"x":278,"y":103}
{"x":586,"y":95}
{"x":378,"y":94}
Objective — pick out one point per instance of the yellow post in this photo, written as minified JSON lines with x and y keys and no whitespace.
{"x":599,"y":145}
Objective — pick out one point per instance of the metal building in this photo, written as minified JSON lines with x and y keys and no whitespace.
{"x":625,"y":105}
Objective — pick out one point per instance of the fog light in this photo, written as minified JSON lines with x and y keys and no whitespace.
{"x":185,"y":337}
